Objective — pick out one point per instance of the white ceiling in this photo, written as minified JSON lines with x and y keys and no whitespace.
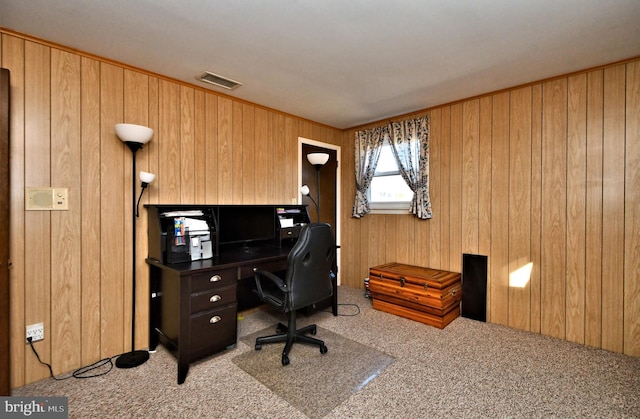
{"x":343,"y":62}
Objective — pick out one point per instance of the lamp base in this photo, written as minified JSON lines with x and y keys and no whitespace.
{"x":132,"y":359}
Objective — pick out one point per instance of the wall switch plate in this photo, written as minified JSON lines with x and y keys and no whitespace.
{"x":35,"y":332}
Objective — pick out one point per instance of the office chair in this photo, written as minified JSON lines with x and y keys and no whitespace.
{"x":307,"y":281}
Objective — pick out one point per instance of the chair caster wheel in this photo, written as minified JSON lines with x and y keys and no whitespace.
{"x":285,"y":360}
{"x":323,"y":349}
{"x":258,"y":346}
{"x":280,"y":329}
{"x":314,"y":330}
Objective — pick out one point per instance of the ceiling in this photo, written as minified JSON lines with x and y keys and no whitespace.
{"x":343,"y":63}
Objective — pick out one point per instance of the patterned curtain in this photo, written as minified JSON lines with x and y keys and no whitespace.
{"x":367,"y":152}
{"x":410,"y":145}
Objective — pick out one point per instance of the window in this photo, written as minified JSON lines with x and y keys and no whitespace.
{"x":380,"y":182}
{"x":389,"y":193}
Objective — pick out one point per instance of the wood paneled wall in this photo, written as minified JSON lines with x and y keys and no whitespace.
{"x":72,"y":269}
{"x":547,"y":174}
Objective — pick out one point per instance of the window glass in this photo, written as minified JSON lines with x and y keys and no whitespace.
{"x":387,"y":185}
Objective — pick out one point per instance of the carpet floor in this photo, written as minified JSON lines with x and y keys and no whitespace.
{"x":469,"y":369}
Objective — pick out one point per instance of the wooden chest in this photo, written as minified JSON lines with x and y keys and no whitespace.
{"x":426,"y":295}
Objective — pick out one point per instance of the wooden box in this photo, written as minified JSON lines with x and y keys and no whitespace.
{"x":430,"y":296}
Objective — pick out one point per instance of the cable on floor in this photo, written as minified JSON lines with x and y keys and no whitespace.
{"x":346,"y":305}
{"x":80,"y":372}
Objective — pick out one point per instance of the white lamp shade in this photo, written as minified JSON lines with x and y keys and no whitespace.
{"x":147,"y":177}
{"x":304,"y":190}
{"x":318,"y":158}
{"x":134,"y":133}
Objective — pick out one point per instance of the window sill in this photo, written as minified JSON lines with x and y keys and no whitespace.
{"x":400,"y":208}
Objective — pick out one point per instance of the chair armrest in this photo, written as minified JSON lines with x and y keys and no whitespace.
{"x":259,"y":273}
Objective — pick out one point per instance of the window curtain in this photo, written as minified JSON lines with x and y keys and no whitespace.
{"x":410,"y":145}
{"x":367,"y":152}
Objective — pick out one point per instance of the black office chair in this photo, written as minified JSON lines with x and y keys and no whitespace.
{"x":307,"y":281}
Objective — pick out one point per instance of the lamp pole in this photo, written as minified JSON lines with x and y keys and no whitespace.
{"x":134,"y":136}
{"x":318,"y":166}
{"x":133,"y":358}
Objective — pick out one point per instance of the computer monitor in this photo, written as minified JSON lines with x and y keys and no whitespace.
{"x":246,"y":224}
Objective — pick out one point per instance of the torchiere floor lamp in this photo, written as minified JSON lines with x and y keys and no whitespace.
{"x":317,"y":160}
{"x":134,"y":136}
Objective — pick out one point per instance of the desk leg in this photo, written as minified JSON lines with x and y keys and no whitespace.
{"x":153,"y":339}
{"x":183,"y":370}
{"x":154,"y":308}
{"x":154,"y":335}
{"x":334,"y":297}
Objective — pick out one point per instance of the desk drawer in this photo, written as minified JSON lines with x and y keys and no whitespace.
{"x":212,"y":331}
{"x":290,"y":232}
{"x":271,"y":266}
{"x":212,"y":279}
{"x":213,"y":299}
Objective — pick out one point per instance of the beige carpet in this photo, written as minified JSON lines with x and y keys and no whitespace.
{"x":467,"y":370}
{"x":314,"y":383}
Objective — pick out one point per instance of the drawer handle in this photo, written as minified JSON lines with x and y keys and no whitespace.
{"x":402,"y":281}
{"x":215,"y":278}
{"x":215,"y":319}
{"x":215,"y":298}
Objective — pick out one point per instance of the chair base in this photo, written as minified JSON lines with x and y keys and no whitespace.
{"x":290,"y":335}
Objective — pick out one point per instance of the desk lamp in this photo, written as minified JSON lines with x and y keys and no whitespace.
{"x":134,"y":136}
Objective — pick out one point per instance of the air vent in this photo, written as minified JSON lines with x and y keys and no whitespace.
{"x":220,"y":81}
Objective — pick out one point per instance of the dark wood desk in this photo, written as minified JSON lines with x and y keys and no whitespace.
{"x":194,"y":305}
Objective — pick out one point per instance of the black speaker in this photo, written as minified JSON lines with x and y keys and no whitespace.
{"x":474,"y":287}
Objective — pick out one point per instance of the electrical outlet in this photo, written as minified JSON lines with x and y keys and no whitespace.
{"x":35,"y":332}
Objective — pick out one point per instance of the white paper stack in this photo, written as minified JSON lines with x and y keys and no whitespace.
{"x":200,"y":238}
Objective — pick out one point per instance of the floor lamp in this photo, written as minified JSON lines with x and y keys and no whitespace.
{"x":317,"y":160}
{"x":134,"y":136}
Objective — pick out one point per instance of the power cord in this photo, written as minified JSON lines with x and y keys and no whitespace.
{"x":346,"y":315}
{"x":80,"y":372}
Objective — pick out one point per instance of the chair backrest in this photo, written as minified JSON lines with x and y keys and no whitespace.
{"x":310,"y":262}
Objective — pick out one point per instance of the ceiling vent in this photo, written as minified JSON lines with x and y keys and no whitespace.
{"x":219,"y":81}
